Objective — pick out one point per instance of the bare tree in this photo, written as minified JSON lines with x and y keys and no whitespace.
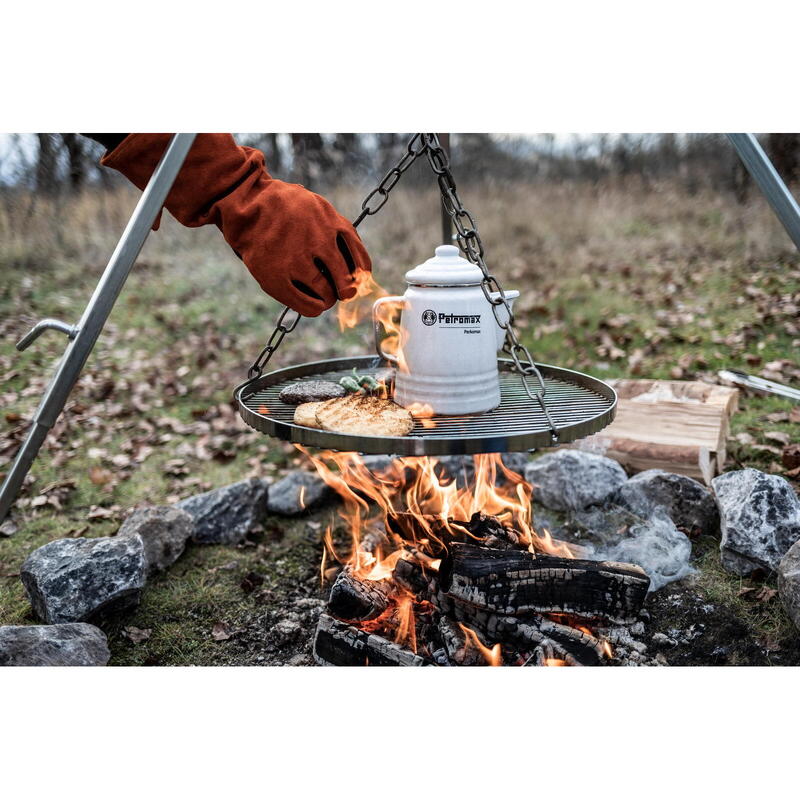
{"x":784,"y":150}
{"x":47,"y":163}
{"x":77,"y":161}
{"x":310,"y":158}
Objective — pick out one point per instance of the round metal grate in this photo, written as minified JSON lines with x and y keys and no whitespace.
{"x":579,"y":405}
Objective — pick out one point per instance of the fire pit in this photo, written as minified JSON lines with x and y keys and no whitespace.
{"x":440,"y":570}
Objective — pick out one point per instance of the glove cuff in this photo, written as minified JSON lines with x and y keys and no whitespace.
{"x":214,"y":167}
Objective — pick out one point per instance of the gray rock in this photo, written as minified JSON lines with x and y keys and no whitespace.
{"x":164,"y":530}
{"x":688,"y":503}
{"x":226,"y":515}
{"x":376,"y":464}
{"x":462,"y":468}
{"x":73,"y":580}
{"x":74,"y":644}
{"x":573,"y":479}
{"x":298,"y":492}
{"x":789,"y":582}
{"x":759,"y":519}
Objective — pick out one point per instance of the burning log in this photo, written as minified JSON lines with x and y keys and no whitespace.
{"x":574,"y":646}
{"x":342,"y":645}
{"x":413,"y":576}
{"x":354,"y":598}
{"x":515,"y":582}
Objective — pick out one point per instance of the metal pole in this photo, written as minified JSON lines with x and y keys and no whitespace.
{"x":447,"y":223}
{"x":85,"y":333}
{"x":770,"y":183}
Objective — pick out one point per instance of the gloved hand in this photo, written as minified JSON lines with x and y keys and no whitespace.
{"x":294,"y":242}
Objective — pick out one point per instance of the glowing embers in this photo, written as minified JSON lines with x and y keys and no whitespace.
{"x":441,"y":571}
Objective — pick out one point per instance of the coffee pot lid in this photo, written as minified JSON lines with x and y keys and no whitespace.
{"x":446,"y":268}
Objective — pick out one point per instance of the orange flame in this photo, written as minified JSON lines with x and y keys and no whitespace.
{"x":417,"y":487}
{"x":423,"y":412}
{"x":555,"y":662}
{"x":351,"y":312}
{"x":493,"y":656}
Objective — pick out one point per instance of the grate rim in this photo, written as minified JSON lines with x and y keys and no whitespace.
{"x":579,"y":405}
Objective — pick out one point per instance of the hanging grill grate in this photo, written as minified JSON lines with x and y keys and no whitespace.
{"x":578,"y":404}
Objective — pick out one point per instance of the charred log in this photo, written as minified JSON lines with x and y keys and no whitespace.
{"x":516,"y":583}
{"x":342,"y":645}
{"x":492,"y":532}
{"x":413,"y":576}
{"x":354,"y":598}
{"x":575,"y":647}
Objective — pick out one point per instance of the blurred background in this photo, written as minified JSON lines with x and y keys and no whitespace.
{"x":59,"y":162}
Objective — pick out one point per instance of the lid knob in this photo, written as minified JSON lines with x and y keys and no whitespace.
{"x":447,"y":251}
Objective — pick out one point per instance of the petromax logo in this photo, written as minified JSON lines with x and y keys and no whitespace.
{"x":430,"y":317}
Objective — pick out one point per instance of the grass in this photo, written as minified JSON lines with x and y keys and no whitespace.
{"x":615,"y":280}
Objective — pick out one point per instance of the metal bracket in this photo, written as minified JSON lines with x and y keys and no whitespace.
{"x":71,"y":331}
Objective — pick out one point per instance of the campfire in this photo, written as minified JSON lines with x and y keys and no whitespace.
{"x":448,"y":569}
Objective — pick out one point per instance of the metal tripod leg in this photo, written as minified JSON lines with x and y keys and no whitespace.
{"x":770,"y":183}
{"x":85,"y":333}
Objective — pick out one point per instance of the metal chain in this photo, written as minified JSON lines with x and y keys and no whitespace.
{"x":470,"y":242}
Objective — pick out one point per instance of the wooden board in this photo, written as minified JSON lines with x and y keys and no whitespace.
{"x":679,"y":426}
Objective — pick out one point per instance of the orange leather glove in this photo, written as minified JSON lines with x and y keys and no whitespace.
{"x":294,"y":242}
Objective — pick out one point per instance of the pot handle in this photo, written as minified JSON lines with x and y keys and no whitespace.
{"x":377,"y":323}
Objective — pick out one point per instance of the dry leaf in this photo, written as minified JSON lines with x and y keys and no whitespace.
{"x":137,"y":635}
{"x":778,"y":436}
{"x":790,"y":457}
{"x":221,"y":632}
{"x":100,"y":476}
{"x":765,"y":594}
{"x":99,"y":512}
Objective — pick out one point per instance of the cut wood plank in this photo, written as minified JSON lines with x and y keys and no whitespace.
{"x":679,"y":426}
{"x":695,"y":462}
{"x":707,"y":393}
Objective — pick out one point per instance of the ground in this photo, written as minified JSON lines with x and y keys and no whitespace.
{"x":617,"y":280}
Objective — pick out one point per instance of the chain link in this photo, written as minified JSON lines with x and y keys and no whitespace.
{"x":470,"y":243}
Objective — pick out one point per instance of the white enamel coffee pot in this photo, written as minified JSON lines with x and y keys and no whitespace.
{"x":449,"y":337}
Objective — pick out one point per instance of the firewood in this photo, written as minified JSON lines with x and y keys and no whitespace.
{"x":413,"y":576}
{"x":680,"y":426}
{"x":354,"y":598}
{"x":456,"y":647}
{"x":515,"y":582}
{"x":338,"y":644}
{"x":575,"y":647}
